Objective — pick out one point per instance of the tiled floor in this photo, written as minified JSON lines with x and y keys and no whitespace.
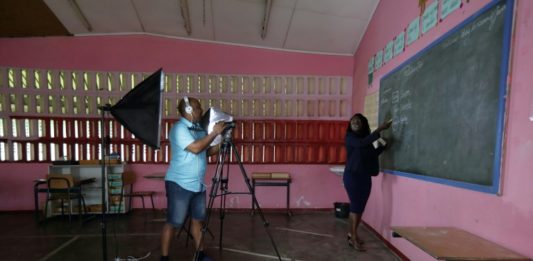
{"x":304,"y":236}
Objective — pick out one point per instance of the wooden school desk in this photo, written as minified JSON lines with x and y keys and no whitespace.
{"x":272,"y":179}
{"x":448,"y":243}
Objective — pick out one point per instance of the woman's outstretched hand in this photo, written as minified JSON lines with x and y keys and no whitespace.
{"x":384,"y":125}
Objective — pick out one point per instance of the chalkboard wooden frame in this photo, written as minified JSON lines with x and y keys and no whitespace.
{"x":494,"y":187}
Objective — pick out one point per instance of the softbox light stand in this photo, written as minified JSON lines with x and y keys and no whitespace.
{"x":139,"y":111}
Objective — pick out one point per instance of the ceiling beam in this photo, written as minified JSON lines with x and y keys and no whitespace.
{"x":184,"y":6}
{"x":266,"y":19}
{"x":138,"y":15}
{"x":81,"y":15}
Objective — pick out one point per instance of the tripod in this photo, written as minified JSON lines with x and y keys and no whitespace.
{"x":220,"y":180}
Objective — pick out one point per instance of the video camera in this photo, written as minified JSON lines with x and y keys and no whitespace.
{"x":211,"y":117}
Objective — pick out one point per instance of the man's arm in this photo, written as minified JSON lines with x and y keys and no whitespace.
{"x":201,"y":144}
{"x":213,"y":149}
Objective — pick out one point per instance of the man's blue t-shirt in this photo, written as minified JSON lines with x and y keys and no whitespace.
{"x":186,"y":168}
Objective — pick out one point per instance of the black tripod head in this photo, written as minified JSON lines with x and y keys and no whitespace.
{"x":227,"y":133}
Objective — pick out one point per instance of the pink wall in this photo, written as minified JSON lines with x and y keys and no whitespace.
{"x":307,"y":188}
{"x":399,"y":201}
{"x":147,"y":53}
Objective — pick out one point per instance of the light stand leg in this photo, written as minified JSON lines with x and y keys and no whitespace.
{"x":102,"y":153}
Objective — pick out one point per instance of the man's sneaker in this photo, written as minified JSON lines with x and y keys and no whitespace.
{"x":203,"y":257}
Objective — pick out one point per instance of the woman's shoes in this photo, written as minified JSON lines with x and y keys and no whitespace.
{"x":356,"y":246}
{"x":359,"y":241}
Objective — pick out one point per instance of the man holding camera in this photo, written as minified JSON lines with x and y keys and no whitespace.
{"x":184,"y":181}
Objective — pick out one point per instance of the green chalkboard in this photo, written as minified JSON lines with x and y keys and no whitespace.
{"x":447,"y":104}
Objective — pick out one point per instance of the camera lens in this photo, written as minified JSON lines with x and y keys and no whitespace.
{"x":230,"y":125}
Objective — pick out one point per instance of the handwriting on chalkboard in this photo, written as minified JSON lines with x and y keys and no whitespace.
{"x":412,"y":68}
{"x":491,"y":19}
{"x":405,"y":94}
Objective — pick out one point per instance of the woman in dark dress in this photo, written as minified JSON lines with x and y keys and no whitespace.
{"x":361,"y":164}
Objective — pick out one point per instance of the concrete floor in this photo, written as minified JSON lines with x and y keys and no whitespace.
{"x":304,"y":236}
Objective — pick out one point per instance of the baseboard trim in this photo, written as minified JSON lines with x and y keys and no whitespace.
{"x":281,"y":210}
{"x":396,"y":251}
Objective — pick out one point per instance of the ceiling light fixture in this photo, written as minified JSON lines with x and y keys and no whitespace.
{"x":81,"y":15}
{"x":266,"y":20}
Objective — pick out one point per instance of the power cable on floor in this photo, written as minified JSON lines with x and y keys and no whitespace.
{"x":131,"y":258}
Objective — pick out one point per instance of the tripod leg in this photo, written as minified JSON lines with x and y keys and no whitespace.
{"x":187,"y":228}
{"x":222,"y":154}
{"x":212,"y":195}
{"x":254,"y":200}
{"x":222,"y":213}
{"x":253,"y":196}
{"x":288,"y":198}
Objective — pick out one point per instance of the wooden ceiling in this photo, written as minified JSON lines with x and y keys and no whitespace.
{"x":29,"y":18}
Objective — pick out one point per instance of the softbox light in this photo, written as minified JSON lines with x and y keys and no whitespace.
{"x":139,"y":110}
{"x":210,"y":118}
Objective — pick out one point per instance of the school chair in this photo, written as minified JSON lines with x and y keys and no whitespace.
{"x":63,"y":188}
{"x":129,"y":179}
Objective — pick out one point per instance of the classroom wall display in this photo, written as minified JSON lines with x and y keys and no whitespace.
{"x":413,"y":30}
{"x":378,"y":61}
{"x":399,"y":43}
{"x":387,"y":55}
{"x":370,"y":71}
{"x":447,"y":104}
{"x":370,"y":109}
{"x":371,"y":65}
{"x":429,"y":18}
{"x":448,"y":6}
